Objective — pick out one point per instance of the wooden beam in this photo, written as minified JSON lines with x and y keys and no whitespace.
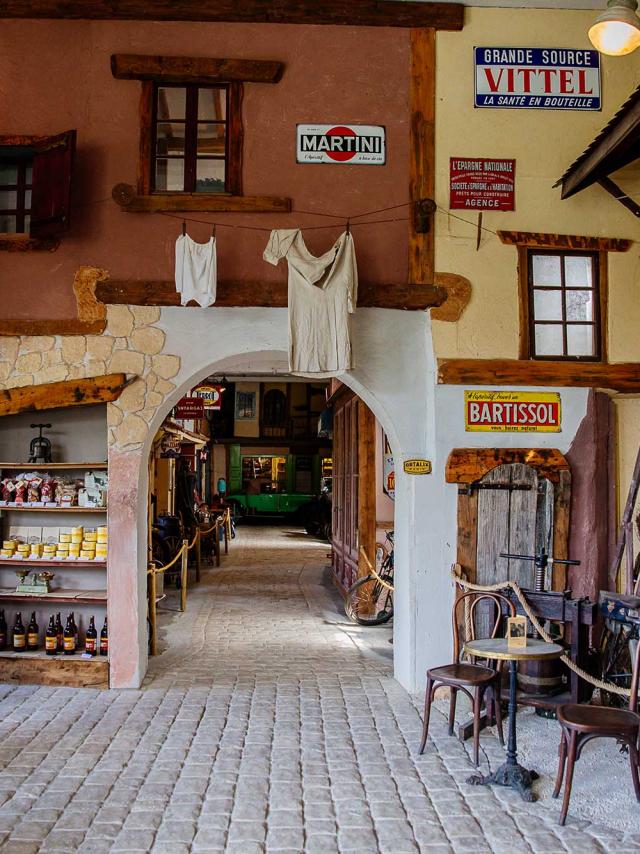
{"x":37,"y":398}
{"x":362,"y":13}
{"x":187,"y":69}
{"x":621,"y":376}
{"x":78,"y":673}
{"x":422,"y":153}
{"x":130,"y":201}
{"x":611,"y":187}
{"x":538,"y":240}
{"x":24,"y":243}
{"x":267,"y":294}
{"x":469,"y":465}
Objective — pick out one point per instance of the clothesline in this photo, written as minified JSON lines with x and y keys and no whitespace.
{"x":342,"y":224}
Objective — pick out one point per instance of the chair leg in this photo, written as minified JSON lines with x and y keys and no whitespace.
{"x":427,"y":713}
{"x":633,"y":758}
{"x":477,"y":708}
{"x":571,"y":756}
{"x":562,"y":757}
{"x":453,"y":696}
{"x":497,"y":705}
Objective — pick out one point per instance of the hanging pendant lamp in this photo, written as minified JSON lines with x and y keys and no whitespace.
{"x":616,"y":31}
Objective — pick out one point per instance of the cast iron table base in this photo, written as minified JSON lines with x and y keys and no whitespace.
{"x":510,"y":773}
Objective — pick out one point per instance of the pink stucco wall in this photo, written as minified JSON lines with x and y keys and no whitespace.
{"x":55,"y":76}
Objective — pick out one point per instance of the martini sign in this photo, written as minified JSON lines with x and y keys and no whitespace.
{"x":343,"y":145}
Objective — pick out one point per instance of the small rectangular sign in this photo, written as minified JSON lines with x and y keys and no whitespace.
{"x":480,"y":183}
{"x":211,"y":395}
{"x":417,"y":466}
{"x":189,"y":408}
{"x":512,"y":412}
{"x":537,"y":78}
{"x":342,"y":145}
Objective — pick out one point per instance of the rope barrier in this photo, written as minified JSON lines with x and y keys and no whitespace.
{"x":373,"y":572}
{"x":513,"y":585}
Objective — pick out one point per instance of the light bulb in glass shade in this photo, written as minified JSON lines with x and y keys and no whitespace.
{"x":616,"y":31}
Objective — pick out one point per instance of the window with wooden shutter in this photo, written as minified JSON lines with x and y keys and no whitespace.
{"x":51,"y":193}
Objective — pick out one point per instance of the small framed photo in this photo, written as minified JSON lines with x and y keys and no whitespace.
{"x":517,"y":631}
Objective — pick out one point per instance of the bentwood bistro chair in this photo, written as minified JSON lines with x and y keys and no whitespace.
{"x":472,"y":679}
{"x":580,"y":724}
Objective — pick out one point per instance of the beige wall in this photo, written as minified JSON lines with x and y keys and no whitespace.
{"x":244,"y":427}
{"x":544,"y":143}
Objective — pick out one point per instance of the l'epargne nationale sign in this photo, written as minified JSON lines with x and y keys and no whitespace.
{"x":512,"y":412}
{"x":362,"y":145}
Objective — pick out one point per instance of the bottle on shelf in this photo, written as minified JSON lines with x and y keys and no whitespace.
{"x":33,"y":633}
{"x":91,"y":638}
{"x":75,"y":631}
{"x":104,"y":639}
{"x":3,"y":631}
{"x":19,"y":635}
{"x":59,"y":633}
{"x":69,"y":638}
{"x":51,"y":638}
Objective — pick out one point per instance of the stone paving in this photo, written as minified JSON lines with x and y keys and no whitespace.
{"x":267,"y":724}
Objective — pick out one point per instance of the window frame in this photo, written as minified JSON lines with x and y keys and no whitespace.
{"x":21,"y":187}
{"x":527,"y":314}
{"x":234,"y":137}
{"x":191,"y":122}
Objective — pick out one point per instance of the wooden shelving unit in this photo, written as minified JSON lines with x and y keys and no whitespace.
{"x":81,"y":597}
{"x":21,"y":508}
{"x":97,"y":564}
{"x":53,"y":466}
{"x":38,"y":668}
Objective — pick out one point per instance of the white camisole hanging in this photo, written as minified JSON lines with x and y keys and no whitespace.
{"x":196,"y":270}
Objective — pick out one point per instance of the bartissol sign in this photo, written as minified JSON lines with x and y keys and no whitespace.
{"x":362,"y":145}
{"x":537,"y":78}
{"x":512,"y":412}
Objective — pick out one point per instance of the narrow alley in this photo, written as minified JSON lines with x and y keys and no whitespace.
{"x":268,"y":723}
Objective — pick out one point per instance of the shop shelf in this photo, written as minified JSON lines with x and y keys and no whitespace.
{"x":23,"y":509}
{"x":7,"y":561}
{"x":81,"y":597}
{"x":54,"y":466}
{"x":41,"y":655}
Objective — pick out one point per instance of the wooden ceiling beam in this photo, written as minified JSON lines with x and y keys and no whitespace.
{"x":185,"y":69}
{"x":36,"y":398}
{"x":363,"y":13}
{"x":411,"y":297}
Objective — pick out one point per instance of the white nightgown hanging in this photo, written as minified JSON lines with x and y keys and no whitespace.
{"x":196,"y":270}
{"x":322,"y":294}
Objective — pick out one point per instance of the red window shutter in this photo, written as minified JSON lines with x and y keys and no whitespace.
{"x":51,"y":195}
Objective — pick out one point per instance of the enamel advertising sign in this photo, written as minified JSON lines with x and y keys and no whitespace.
{"x":189,"y":408}
{"x":482,"y":184}
{"x":362,"y":145}
{"x":537,"y":78}
{"x":211,"y":395}
{"x":512,"y":412}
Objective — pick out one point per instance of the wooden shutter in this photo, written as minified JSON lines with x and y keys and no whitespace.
{"x":51,"y":195}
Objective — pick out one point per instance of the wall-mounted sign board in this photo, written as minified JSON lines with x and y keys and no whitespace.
{"x":211,"y":395}
{"x":189,"y":408}
{"x":362,"y":145}
{"x":512,"y":412}
{"x":388,"y":476}
{"x":417,"y":466}
{"x":537,"y":78}
{"x":480,"y":183}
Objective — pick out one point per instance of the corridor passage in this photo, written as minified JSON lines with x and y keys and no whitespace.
{"x":268,"y":723}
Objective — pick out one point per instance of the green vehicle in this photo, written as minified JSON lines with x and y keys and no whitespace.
{"x":273,"y":484}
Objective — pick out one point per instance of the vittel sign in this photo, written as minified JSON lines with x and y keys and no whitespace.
{"x":362,"y":145}
{"x":537,"y":78}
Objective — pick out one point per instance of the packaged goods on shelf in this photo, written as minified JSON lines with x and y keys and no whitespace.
{"x":38,"y":489}
{"x":55,"y":543}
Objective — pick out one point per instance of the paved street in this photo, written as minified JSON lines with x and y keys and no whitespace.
{"x":267,"y":724}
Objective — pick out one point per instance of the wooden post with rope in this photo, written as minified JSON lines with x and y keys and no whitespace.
{"x":184,"y":568}
{"x":227,"y":529}
{"x":198,"y":555}
{"x":152,"y":588}
{"x":216,"y":542}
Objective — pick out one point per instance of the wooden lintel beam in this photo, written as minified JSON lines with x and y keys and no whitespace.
{"x":618,"y":193}
{"x":538,"y":240}
{"x":130,"y":201}
{"x":36,"y":398}
{"x":469,"y":465}
{"x":411,"y":297}
{"x":364,"y":13}
{"x":621,"y":376}
{"x":185,"y":69}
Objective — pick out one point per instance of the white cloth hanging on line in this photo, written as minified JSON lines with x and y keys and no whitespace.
{"x":323,"y":292}
{"x":196,"y":270}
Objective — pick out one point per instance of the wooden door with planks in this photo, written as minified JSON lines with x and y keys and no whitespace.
{"x":353,"y":507}
{"x":511,"y":500}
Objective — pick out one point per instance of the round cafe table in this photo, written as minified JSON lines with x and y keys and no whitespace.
{"x":510,"y":773}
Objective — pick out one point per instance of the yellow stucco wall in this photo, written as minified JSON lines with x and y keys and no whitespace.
{"x":544,"y":143}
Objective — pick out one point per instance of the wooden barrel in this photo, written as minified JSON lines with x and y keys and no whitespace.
{"x":542,"y":676}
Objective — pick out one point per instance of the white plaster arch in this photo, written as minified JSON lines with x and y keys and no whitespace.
{"x":393,"y":374}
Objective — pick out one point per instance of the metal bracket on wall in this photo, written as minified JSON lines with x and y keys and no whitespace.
{"x":423,"y":211}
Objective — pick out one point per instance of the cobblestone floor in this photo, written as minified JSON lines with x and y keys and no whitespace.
{"x":268,"y":724}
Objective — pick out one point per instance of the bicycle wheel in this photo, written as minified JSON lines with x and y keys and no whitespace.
{"x":381,"y":596}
